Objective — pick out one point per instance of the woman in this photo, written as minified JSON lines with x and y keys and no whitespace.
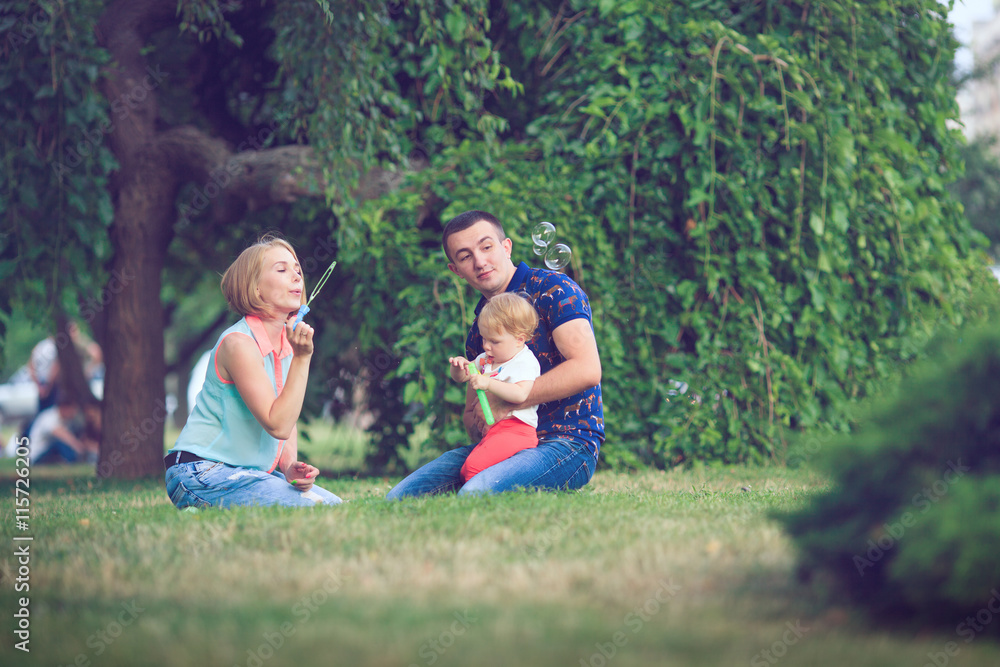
{"x":240,"y":444}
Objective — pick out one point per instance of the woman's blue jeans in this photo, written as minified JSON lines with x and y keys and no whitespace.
{"x":214,"y":484}
{"x":558,"y":462}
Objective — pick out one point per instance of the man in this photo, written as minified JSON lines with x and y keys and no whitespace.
{"x":568,"y":393}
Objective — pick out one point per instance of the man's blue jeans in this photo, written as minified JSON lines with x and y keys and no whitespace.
{"x":213,"y":484}
{"x":558,"y":462}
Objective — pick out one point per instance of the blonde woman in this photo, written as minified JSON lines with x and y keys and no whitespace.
{"x":239,"y":446}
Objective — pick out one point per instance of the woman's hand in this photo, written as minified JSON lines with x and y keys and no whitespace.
{"x":299,"y":474}
{"x":301,"y":339}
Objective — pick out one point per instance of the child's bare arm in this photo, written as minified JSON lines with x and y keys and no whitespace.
{"x":458,"y":368}
{"x":510,"y":392}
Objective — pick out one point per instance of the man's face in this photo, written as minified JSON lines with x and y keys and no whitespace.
{"x":481,"y":259}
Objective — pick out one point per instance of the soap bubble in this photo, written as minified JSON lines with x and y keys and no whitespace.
{"x":676,"y":388}
{"x":539,"y":249}
{"x":558,"y":256}
{"x":542,"y":235}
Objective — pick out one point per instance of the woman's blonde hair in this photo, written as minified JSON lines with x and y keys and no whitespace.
{"x":239,"y":282}
{"x":509,"y":311}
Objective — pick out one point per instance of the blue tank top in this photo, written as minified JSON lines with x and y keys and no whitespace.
{"x":221,"y":426}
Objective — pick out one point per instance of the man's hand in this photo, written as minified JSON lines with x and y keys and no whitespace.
{"x":501,"y":410}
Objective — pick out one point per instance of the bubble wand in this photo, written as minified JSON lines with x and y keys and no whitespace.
{"x":483,"y":401}
{"x":304,"y":309}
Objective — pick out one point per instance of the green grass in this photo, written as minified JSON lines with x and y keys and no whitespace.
{"x":331,"y":446}
{"x":335,"y":447}
{"x":678,"y":568}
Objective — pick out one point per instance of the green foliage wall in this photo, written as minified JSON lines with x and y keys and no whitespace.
{"x":755,"y":194}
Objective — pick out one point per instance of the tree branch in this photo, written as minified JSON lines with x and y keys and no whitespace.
{"x":234,"y":182}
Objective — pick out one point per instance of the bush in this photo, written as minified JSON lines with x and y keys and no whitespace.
{"x":912,"y":525}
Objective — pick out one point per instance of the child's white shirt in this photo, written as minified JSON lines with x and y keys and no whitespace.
{"x":522,"y":366}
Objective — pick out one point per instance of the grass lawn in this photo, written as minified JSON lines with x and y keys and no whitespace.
{"x":676,"y":568}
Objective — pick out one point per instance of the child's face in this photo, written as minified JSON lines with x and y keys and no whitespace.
{"x":500,"y":345}
{"x":280,"y":283}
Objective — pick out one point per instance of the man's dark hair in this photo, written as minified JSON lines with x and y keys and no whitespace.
{"x":463,"y":221}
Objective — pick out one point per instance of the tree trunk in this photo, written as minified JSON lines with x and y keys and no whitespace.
{"x":143,"y":189}
{"x":134,"y":413}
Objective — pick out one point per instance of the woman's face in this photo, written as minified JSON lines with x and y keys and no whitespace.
{"x":280,"y":285}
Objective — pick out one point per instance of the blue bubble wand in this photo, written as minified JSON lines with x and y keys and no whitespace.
{"x":304,"y":309}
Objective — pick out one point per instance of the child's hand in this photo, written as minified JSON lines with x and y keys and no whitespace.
{"x":459,"y":368}
{"x":301,"y":475}
{"x":480,"y":382}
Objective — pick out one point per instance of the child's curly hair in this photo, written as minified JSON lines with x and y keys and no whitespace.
{"x":511,"y":312}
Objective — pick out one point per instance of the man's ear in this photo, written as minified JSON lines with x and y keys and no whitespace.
{"x":508,"y":246}
{"x":451,"y":267}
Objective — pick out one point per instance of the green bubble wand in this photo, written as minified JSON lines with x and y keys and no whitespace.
{"x":304,"y":309}
{"x":484,"y":403}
